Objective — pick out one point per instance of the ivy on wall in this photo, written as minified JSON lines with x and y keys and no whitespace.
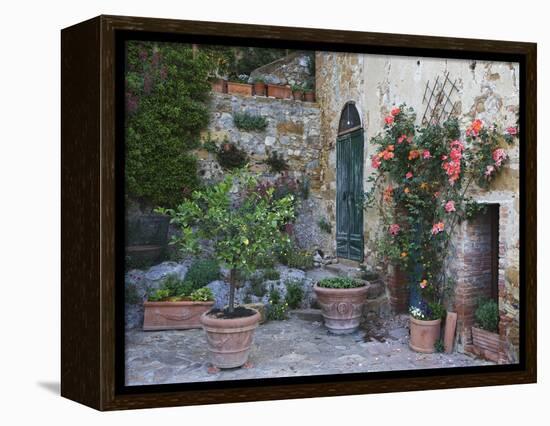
{"x":167,"y":88}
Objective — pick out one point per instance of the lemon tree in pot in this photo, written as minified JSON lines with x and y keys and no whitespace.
{"x":243,"y":226}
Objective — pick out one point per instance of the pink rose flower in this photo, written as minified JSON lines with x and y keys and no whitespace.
{"x":389,"y":120}
{"x":426,"y":154}
{"x":512,"y":131}
{"x":394,"y":229}
{"x":499,"y":155}
{"x":401,"y":138}
{"x":409,"y":175}
{"x":450,"y":206}
{"x":395,"y":111}
{"x":489,"y":171}
{"x":376,"y":161}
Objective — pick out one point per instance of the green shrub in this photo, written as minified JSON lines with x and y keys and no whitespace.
{"x":324,"y":225}
{"x":247,"y":121}
{"x":203,"y":294}
{"x":294,"y":293}
{"x":202,"y":272}
{"x":439,"y":346}
{"x":171,"y":288}
{"x":271,"y":274}
{"x":167,"y":90}
{"x":436,"y":311}
{"x":210,"y":144}
{"x":276,"y":162}
{"x":276,"y":310}
{"x":230,"y":157}
{"x":339,"y":282}
{"x":487,"y":316}
{"x":295,"y":258}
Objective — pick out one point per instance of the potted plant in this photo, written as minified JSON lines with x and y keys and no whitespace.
{"x":309,"y":95}
{"x":239,"y":86}
{"x":425,"y":327}
{"x":341,"y":301}
{"x":279,"y":91}
{"x":146,"y":238}
{"x":219,"y":85}
{"x":176,"y":305}
{"x":243,"y":232}
{"x":297,"y":92}
{"x":485,"y":336}
{"x":259,"y":86}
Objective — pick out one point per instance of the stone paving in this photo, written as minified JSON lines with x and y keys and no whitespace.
{"x":295,"y":347}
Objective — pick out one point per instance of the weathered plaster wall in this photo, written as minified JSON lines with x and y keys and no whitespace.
{"x":486,"y":90}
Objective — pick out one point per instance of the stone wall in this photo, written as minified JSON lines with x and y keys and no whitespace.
{"x":293,"y":131}
{"x":376,"y":83}
{"x":293,"y":69}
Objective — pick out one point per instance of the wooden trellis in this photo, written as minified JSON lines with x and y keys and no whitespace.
{"x":438,"y":99}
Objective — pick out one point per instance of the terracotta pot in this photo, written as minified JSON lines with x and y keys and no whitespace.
{"x":424,"y":335}
{"x":342,"y":308}
{"x":219,"y":85}
{"x":260,"y":89}
{"x":486,"y":342}
{"x":279,"y":92}
{"x":297,"y":95}
{"x":174,"y":315}
{"x":239,"y":88}
{"x":309,"y":96}
{"x":229,"y":340}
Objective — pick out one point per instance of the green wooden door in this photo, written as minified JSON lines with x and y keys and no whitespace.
{"x":349,"y":196}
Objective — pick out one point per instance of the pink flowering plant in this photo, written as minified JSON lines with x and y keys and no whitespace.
{"x":420,"y":184}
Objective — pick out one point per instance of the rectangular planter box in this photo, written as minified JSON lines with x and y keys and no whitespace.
{"x":486,"y":343}
{"x":173,"y":315}
{"x":279,"y":92}
{"x":239,"y":88}
{"x":219,"y":86}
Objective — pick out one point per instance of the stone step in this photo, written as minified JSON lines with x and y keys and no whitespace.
{"x":307,"y":314}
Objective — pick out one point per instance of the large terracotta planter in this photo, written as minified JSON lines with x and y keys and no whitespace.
{"x":486,"y":342}
{"x":239,"y":88}
{"x":424,"y":335}
{"x":173,"y":315}
{"x":229,"y":340}
{"x":341,"y":307}
{"x":279,"y":92}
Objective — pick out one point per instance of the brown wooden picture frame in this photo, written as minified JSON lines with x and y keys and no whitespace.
{"x":91,"y":193}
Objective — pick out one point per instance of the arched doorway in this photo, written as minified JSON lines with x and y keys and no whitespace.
{"x":349,"y":185}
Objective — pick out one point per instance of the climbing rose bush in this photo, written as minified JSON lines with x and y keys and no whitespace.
{"x":421,"y":178}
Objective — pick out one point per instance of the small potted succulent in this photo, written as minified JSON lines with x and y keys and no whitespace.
{"x":485,"y":336}
{"x":243,"y":235}
{"x":176,"y":305}
{"x":341,"y":301}
{"x":297,"y":92}
{"x":259,"y":86}
{"x":425,"y":327}
{"x":239,"y":86}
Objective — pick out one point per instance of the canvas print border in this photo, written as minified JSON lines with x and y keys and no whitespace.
{"x":104,"y":35}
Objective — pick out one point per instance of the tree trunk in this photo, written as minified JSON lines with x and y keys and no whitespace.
{"x":232,"y":276}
